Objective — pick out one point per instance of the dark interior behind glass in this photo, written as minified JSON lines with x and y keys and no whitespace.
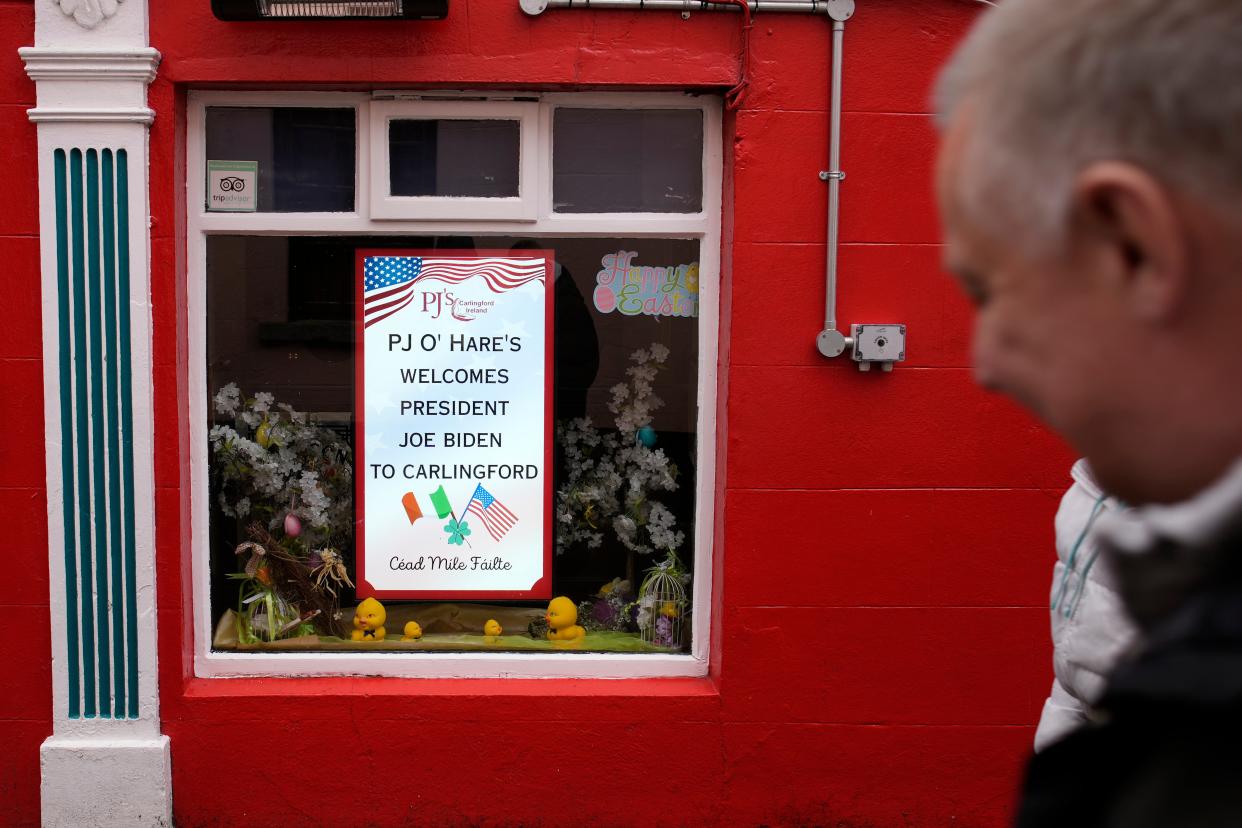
{"x":305,"y":154}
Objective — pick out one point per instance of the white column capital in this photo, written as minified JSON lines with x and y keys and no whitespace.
{"x":91,"y":85}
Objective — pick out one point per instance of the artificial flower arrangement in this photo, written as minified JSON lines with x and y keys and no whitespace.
{"x":291,"y":482}
{"x":611,"y":608}
{"x":612,"y":477}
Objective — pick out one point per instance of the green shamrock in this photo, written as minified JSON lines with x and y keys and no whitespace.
{"x":458,"y":531}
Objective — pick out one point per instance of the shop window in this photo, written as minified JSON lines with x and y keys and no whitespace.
{"x":278,"y":414}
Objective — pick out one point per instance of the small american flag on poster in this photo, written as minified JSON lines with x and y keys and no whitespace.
{"x":496,"y":518}
{"x":388,"y":281}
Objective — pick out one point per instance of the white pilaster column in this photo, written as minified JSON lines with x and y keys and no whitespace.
{"x":107,"y":762}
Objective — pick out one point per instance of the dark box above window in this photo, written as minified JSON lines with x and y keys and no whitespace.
{"x":328,"y":9}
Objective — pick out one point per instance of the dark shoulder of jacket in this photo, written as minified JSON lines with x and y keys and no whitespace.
{"x":1169,"y":751}
{"x":1171,"y":768}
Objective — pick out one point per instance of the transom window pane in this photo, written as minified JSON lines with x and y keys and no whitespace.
{"x":627,"y":160}
{"x":454,"y":157}
{"x":304,"y":155}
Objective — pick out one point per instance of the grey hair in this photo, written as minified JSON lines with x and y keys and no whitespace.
{"x":1055,"y":86}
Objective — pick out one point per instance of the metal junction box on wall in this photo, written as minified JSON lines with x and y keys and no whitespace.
{"x":882,"y":344}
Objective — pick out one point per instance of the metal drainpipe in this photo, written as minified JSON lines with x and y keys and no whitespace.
{"x":831,"y":342}
{"x":533,"y":7}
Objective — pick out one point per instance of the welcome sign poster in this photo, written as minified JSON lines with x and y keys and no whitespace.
{"x":453,"y":428}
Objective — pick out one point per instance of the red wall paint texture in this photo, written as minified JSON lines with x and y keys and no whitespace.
{"x":883,"y":664}
{"x":26,"y":677}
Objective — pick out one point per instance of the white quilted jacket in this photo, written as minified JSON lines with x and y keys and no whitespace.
{"x":1090,"y":628}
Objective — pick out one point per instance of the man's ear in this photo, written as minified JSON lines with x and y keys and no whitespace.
{"x":1130,"y":223}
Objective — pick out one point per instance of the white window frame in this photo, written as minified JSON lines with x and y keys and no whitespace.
{"x":704,"y":226}
{"x":385,"y":205}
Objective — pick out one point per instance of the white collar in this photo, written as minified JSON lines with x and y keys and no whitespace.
{"x":1164,"y":554}
{"x":1195,"y":522}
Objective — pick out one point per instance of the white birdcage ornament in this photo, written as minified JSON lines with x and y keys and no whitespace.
{"x":662,"y":604}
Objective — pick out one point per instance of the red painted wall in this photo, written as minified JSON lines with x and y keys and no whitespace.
{"x":884,"y":544}
{"x":25,"y":643}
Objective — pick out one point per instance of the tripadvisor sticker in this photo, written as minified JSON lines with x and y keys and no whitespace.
{"x":233,"y":186}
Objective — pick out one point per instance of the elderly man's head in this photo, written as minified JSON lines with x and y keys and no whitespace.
{"x":1090,"y":182}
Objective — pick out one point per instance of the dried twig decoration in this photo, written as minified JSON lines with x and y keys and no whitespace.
{"x":329,"y":570}
{"x":291,"y":579}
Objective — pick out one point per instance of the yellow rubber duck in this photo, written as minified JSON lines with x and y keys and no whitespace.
{"x":562,"y":618}
{"x":369,"y":621}
{"x":412,"y":631}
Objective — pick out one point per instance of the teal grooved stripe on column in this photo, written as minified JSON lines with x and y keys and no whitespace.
{"x":114,"y":470}
{"x":87,"y":614}
{"x":98,"y":459}
{"x":96,"y":420}
{"x":127,"y":425}
{"x":66,"y":436}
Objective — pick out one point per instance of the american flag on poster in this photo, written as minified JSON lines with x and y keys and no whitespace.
{"x":388,"y":281}
{"x":496,"y":518}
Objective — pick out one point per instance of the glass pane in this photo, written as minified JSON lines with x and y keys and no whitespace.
{"x":281,"y":373}
{"x":305,"y":155}
{"x":627,"y":160}
{"x":453,"y":157}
